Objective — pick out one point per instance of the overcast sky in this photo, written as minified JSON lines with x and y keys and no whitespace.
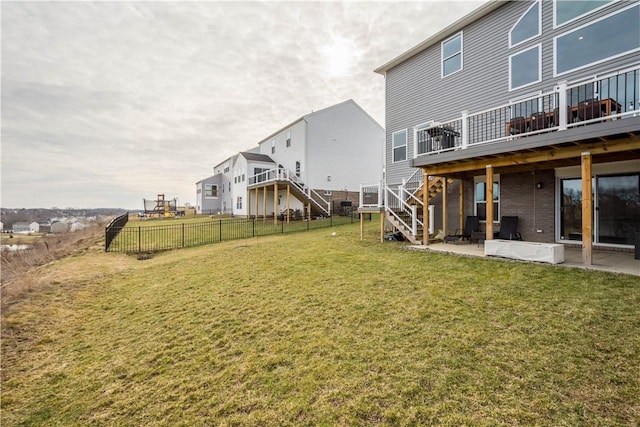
{"x":107,"y":103}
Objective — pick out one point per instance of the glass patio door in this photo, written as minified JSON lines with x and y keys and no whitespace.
{"x":618,"y":208}
{"x":571,"y":209}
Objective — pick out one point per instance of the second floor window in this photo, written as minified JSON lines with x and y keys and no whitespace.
{"x":451,"y":51}
{"x":210,"y":190}
{"x":288,"y":144}
{"x":273,"y":146}
{"x":399,"y":140}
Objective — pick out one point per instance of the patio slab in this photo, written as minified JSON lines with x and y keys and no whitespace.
{"x":610,"y":261}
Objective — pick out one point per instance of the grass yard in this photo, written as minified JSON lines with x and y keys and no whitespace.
{"x":314,"y":329}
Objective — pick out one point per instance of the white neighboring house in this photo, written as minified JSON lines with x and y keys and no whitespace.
{"x":59,"y":227}
{"x":26,"y":227}
{"x":311,"y":164}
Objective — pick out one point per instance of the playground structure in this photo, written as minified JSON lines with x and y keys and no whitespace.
{"x":161,"y":207}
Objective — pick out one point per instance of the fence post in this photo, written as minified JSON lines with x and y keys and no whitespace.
{"x":220,"y":228}
{"x":139,"y":239}
{"x":253,"y":226}
{"x":183,"y":234}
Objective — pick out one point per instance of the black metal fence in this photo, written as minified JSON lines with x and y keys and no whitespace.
{"x":152,"y":238}
{"x":115,"y":226}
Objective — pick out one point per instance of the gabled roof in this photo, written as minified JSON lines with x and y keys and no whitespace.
{"x":441,"y":35}
{"x":256,"y":157}
{"x":306,"y":116}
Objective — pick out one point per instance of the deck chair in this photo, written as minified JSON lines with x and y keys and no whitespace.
{"x":508,"y":228}
{"x":471,"y":224}
{"x":588,"y":109}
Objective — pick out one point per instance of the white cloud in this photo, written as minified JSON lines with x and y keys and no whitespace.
{"x":106,"y":103}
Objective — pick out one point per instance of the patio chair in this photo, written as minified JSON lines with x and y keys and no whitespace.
{"x":508,"y":229}
{"x":517,"y":125}
{"x":472,"y":224}
{"x":539,"y":121}
{"x":588,"y":109}
{"x":555,"y":120}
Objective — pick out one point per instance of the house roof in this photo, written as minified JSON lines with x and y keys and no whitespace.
{"x":441,"y":35}
{"x":256,"y":157}
{"x":306,"y":116}
{"x":22,"y":224}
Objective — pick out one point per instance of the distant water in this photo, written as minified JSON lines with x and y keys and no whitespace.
{"x":13,"y":248}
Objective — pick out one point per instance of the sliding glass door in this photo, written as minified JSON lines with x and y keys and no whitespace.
{"x":616,"y":209}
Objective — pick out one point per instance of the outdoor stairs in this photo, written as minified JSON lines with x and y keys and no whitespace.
{"x":435,"y":187}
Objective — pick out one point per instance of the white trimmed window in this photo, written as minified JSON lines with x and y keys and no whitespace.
{"x":239,"y":203}
{"x":480,"y":197}
{"x":399,"y":141}
{"x":298,"y":169}
{"x":525,"y":67}
{"x":565,"y":11}
{"x":529,"y":26}
{"x":210,"y":190}
{"x":451,"y":53}
{"x":273,"y":146}
{"x":609,"y":37}
{"x":288,"y":144}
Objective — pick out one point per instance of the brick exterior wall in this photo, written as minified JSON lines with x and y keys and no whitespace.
{"x":519,"y":196}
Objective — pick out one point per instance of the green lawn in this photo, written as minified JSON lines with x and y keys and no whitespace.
{"x":314,"y":329}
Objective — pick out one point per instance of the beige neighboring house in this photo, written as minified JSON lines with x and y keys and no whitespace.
{"x":59,"y":227}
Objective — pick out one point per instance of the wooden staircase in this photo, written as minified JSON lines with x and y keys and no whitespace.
{"x":435,"y":187}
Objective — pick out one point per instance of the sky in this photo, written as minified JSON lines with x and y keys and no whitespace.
{"x":105,"y":104}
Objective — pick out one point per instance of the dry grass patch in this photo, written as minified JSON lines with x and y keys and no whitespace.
{"x":312,"y":329}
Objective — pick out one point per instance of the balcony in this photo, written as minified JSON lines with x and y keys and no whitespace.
{"x":605,"y":99}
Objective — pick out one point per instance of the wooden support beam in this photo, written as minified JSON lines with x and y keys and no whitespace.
{"x":425,"y":207}
{"x":444,"y":204}
{"x":288,"y":202}
{"x":489,"y":204}
{"x":587,"y":209}
{"x":264,"y":204}
{"x":275,"y":203}
{"x":249,"y":203}
{"x":461,"y":204}
{"x":550,"y":154}
{"x":257,"y":203}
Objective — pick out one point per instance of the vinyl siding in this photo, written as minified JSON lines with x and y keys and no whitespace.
{"x":417,"y":94}
{"x":344,"y":143}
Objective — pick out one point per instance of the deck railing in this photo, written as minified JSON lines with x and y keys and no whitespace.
{"x":606,"y":97}
{"x":280,"y":174}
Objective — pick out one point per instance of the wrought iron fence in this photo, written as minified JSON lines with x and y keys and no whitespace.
{"x":115,"y":226}
{"x":153,"y":238}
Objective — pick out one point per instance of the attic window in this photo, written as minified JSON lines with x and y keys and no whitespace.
{"x":527,"y":27}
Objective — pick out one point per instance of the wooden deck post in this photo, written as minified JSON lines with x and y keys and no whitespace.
{"x":425,"y":207}
{"x":461,"y":204}
{"x":587,"y":209}
{"x":489,"y":205}
{"x":444,"y":204}
{"x":275,"y":203}
{"x":249,"y":203}
{"x":264,"y":204}
{"x":288,"y":201}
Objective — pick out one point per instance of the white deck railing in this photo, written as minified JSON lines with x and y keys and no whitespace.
{"x":600,"y":98}
{"x":279,"y":174}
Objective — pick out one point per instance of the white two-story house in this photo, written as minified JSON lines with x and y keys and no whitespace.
{"x":311,"y":166}
{"x":527,"y":109}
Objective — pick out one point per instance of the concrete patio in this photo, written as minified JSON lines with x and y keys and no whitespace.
{"x":610,"y":261}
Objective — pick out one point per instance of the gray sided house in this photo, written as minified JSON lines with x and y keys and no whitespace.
{"x":307,"y":166}
{"x":539,"y":98}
